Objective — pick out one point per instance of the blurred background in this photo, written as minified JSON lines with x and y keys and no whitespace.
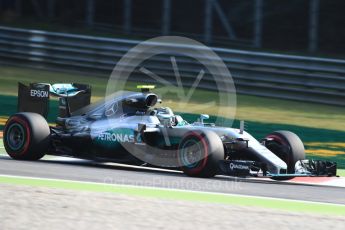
{"x":303,"y":26}
{"x":286,"y":57}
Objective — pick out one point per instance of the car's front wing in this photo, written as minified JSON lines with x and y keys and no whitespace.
{"x":303,"y":168}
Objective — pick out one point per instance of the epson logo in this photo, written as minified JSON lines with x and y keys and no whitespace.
{"x":238,"y":166}
{"x":38,"y":93}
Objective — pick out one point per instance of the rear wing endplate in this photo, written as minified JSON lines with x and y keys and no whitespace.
{"x":35,"y":97}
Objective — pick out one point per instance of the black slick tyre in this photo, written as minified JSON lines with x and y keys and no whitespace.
{"x":287,"y":146}
{"x":199,"y":153}
{"x":26,"y":136}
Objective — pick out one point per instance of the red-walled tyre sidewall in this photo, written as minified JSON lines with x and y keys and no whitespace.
{"x":212,"y":152}
{"x":35,"y":132}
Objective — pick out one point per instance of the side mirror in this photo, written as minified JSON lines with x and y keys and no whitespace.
{"x":204,"y":117}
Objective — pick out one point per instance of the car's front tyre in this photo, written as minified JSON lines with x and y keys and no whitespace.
{"x":287,"y":146}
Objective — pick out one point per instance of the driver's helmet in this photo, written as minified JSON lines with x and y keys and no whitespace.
{"x":165,"y":115}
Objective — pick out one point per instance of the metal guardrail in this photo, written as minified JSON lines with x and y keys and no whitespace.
{"x":255,"y":73}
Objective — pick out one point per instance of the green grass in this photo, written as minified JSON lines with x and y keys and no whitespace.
{"x":278,"y":204}
{"x":249,"y":108}
{"x":341,"y":172}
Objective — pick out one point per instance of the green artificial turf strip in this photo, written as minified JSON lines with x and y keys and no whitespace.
{"x":192,"y":196}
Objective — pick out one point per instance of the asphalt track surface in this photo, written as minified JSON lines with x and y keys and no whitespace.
{"x":64,"y":168}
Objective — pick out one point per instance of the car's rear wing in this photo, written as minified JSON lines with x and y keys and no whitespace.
{"x":35,"y":97}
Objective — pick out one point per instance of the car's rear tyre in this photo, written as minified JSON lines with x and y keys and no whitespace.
{"x":287,"y":146}
{"x":199,"y":153}
{"x":26,"y":136}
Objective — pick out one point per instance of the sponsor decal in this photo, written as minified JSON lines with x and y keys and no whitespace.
{"x":238,"y":166}
{"x":116,"y":137}
{"x":39,"y":93}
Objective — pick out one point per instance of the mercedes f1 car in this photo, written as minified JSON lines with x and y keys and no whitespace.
{"x":129,"y":127}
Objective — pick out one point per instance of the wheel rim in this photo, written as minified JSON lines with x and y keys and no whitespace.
{"x":192,"y":153}
{"x":15,"y":137}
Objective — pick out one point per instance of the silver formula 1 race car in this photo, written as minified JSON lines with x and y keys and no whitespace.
{"x":128,"y":127}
